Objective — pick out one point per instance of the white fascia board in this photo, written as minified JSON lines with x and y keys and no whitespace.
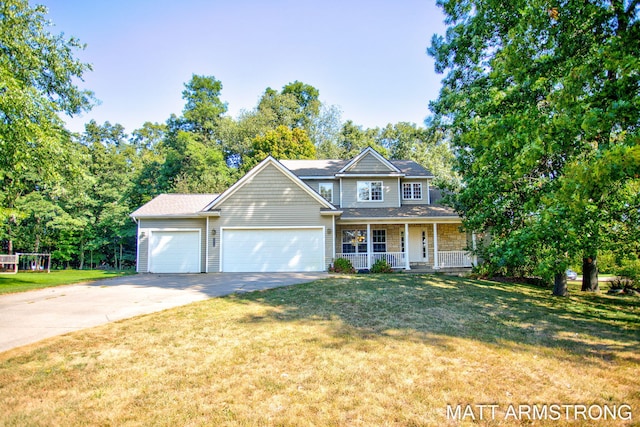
{"x":398,"y":220}
{"x":370,"y":175}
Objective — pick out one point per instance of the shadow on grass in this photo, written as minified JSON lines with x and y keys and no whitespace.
{"x":427,"y":307}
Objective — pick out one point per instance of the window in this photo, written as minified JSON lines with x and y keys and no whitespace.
{"x":412,"y":191}
{"x":369,"y":191}
{"x":326,"y":190}
{"x":354,"y":241}
{"x":379,"y":240}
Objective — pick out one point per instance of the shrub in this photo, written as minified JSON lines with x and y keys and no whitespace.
{"x":342,"y":265}
{"x":381,"y":266}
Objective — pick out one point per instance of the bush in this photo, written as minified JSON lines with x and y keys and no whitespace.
{"x":381,"y":266}
{"x":342,"y":265}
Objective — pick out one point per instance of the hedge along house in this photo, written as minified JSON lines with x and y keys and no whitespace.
{"x":300,"y":215}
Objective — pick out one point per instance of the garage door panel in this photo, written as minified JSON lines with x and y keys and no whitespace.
{"x":275,"y":250}
{"x":174,"y":252}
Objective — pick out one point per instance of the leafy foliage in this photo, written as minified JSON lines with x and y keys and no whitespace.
{"x":381,"y":266}
{"x":342,"y":265}
{"x":542,"y":106}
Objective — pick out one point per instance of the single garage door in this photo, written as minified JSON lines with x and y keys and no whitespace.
{"x":273,"y":250}
{"x":174,"y":252}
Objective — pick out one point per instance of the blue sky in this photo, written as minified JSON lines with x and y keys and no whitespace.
{"x":366,"y":57}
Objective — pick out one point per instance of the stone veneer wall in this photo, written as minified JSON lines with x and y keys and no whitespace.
{"x":450,"y":238}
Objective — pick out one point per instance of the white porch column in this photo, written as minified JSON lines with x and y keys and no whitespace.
{"x":206,"y":249}
{"x":475,"y":257}
{"x":406,"y":246}
{"x":369,"y":246}
{"x":435,"y":247}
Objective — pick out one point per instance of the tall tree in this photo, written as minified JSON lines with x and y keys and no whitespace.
{"x":534,"y":91}
{"x":281,"y":143}
{"x":203,"y":108}
{"x":38,"y":71}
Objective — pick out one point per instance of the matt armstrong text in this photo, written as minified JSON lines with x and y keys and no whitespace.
{"x":552,"y":412}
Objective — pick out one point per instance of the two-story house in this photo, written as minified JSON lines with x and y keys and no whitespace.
{"x":301,"y":215}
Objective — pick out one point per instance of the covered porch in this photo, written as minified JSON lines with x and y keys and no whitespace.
{"x":426,"y":245}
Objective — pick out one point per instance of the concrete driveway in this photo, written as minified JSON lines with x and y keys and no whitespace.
{"x":29,"y":317}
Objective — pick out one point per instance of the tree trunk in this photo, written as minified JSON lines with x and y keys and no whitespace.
{"x":590,"y":274}
{"x":560,"y":285}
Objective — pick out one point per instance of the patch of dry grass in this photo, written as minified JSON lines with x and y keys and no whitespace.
{"x":365,"y":350}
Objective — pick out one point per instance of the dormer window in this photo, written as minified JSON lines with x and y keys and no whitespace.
{"x":412,"y":191}
{"x":370,"y":191}
{"x":326,"y":190}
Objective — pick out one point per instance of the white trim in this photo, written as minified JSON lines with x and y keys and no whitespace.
{"x":206,"y":247}
{"x":279,"y":227}
{"x":412,"y":184}
{"x":369,"y":247}
{"x":428,"y":192}
{"x":262,"y":165}
{"x":399,"y":195}
{"x":378,"y":156}
{"x":406,"y":246}
{"x":334,"y":238}
{"x":435,"y":246}
{"x":138,"y":249}
{"x":150,"y":232}
{"x":363,"y":175}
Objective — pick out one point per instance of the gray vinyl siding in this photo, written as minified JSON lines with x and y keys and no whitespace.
{"x":425,"y":187}
{"x":147,"y":225}
{"x":315,"y":184}
{"x":269,"y":199}
{"x":369,"y":163}
{"x":389,"y":199}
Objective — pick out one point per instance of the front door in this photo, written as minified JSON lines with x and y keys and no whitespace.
{"x":418,"y":245}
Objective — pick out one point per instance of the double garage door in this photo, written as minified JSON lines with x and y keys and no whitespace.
{"x":241,"y":250}
{"x":278,"y":249}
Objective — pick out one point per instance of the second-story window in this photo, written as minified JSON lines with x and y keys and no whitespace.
{"x":412,"y":191}
{"x":326,"y":190}
{"x":369,"y":191}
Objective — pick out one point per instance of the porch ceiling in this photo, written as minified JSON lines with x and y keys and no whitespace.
{"x":401,"y":214}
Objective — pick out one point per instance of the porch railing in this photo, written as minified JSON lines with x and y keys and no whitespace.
{"x":397,"y":259}
{"x":454,"y":259}
{"x":360,"y":261}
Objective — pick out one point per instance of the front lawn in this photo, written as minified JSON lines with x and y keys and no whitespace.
{"x":10,"y":283}
{"x":364,"y":350}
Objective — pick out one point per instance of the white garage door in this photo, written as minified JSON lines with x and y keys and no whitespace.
{"x":174,"y":252}
{"x":300,"y":249}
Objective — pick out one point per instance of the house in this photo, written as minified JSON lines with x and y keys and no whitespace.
{"x":301,"y":215}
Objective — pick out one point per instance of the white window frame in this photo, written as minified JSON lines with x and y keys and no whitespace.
{"x":379,"y":237}
{"x":356,"y":238}
{"x":412,"y":191}
{"x":326,"y":186}
{"x":369,"y":187}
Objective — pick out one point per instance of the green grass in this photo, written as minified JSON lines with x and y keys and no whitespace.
{"x":346,"y":351}
{"x":11,"y":283}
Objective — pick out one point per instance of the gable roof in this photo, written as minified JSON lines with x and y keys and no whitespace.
{"x":263,"y":164}
{"x":177,"y":205}
{"x":375,"y":154}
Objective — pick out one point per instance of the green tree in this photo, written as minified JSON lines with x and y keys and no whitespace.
{"x":38,"y":71}
{"x":203,"y":108}
{"x":282,"y":143}
{"x":536,"y":91}
{"x":353,"y":139}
